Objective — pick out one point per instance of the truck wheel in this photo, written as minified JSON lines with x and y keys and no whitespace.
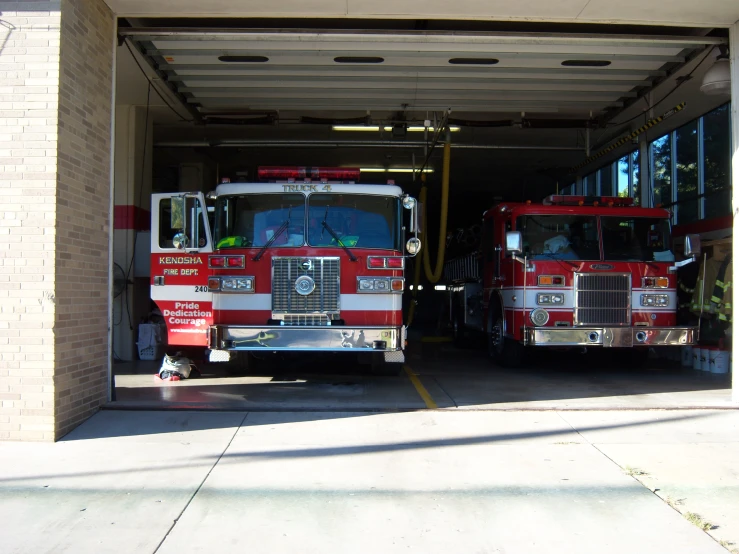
{"x":503,"y":351}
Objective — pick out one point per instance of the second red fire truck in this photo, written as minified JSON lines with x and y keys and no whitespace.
{"x":572,"y":271}
{"x":304,"y":260}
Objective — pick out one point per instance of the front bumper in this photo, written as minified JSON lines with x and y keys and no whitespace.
{"x":306,"y":338}
{"x":616,"y":337}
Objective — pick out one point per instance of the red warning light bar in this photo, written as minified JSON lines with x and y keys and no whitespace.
{"x":561,"y":200}
{"x":273,"y":173}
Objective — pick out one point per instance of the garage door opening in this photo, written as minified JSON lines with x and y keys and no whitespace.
{"x":532,"y":111}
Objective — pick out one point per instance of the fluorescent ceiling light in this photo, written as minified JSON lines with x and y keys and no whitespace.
{"x":392,"y":170}
{"x":414,"y":128}
{"x":375,"y":128}
{"x":355,"y":128}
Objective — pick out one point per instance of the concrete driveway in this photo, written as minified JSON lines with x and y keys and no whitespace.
{"x":428,"y":480}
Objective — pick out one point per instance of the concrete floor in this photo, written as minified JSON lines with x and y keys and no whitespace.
{"x":336,"y":482}
{"x":450,"y":378}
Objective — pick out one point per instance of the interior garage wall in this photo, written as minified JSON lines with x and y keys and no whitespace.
{"x":55,"y":74}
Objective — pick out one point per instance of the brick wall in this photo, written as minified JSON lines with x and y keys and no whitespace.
{"x":54,"y":194}
{"x":83,"y":211}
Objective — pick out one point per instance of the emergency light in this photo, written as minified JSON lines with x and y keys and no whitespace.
{"x":267,"y":173}
{"x":374,"y":262}
{"x":561,"y":200}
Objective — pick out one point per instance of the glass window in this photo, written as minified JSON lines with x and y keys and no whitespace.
{"x":588,"y":185}
{"x":623,"y":177}
{"x":635,"y":178}
{"x":716,"y":148}
{"x":195,"y":235}
{"x":606,"y":180}
{"x":358,"y":220}
{"x":686,"y":160}
{"x":636,"y":239}
{"x":253,"y":220}
{"x":559,"y":237}
{"x":661,"y":171}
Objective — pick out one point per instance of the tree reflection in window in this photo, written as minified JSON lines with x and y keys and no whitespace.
{"x":716,"y":146}
{"x":662,"y":171}
{"x":686,"y":163}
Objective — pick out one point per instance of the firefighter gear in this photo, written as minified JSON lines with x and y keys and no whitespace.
{"x":715,"y":295}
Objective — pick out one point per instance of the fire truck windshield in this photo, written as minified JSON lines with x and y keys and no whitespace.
{"x":560,"y":237}
{"x":645,"y":239}
{"x":251,"y":220}
{"x":359,"y":220}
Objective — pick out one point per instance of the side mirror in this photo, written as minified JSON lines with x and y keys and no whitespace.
{"x":410,"y":203}
{"x":513,"y":242}
{"x":413,"y":246}
{"x":180,"y":241}
{"x":692,"y":246}
{"x":178,"y":213}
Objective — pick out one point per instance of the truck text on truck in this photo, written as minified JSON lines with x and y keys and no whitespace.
{"x":307,"y":263}
{"x":572,"y":271}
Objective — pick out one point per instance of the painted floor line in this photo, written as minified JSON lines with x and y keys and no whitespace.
{"x":422,"y":392}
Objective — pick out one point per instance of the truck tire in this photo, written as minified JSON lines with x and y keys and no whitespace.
{"x":503,"y":351}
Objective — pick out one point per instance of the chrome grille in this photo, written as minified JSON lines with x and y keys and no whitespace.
{"x":306,"y":319}
{"x":602,"y":299}
{"x":325,"y":297}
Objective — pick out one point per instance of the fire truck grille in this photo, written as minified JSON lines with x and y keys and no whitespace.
{"x":306,"y":319}
{"x":323,"y":299}
{"x":602,"y":299}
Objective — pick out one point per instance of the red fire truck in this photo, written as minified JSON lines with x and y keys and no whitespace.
{"x":572,"y":271}
{"x":305,"y":260}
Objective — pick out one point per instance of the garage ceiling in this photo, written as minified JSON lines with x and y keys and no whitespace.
{"x":244,"y":71}
{"x":707,"y":13}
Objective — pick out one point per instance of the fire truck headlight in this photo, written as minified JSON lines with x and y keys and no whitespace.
{"x":655,"y":300}
{"x":237,"y":284}
{"x":382,"y":285}
{"x":550,"y":299}
{"x":539,"y":317}
{"x":365,"y":285}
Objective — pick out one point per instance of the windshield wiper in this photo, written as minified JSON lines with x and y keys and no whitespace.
{"x":331,"y":232}
{"x":273,"y":238}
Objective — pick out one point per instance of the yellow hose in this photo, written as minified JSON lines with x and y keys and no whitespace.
{"x":434,"y":276}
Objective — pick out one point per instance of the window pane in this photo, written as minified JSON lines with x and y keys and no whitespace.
{"x":635,"y":176}
{"x":588,"y":185}
{"x":253,"y":220}
{"x":357,"y":220}
{"x":636,"y":239}
{"x":623,"y":177}
{"x":559,"y":237}
{"x":717,"y":165}
{"x":686,"y":155}
{"x":662,"y":170}
{"x":605,"y":181}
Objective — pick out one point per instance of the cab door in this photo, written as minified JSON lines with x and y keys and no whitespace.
{"x":180,"y":244}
